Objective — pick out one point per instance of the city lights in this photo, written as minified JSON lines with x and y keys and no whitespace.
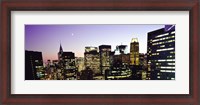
{"x":108,"y":62}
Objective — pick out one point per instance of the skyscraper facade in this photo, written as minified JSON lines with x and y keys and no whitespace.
{"x":33,"y":65}
{"x":80,"y":63}
{"x":161,"y":53}
{"x":105,"y":54}
{"x":92,"y":59}
{"x":134,"y":52}
{"x":67,"y":63}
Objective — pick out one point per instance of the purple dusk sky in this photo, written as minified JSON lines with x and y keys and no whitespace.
{"x":47,"y":38}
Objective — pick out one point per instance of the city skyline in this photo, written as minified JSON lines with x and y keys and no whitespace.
{"x":104,"y":58}
{"x":74,"y":38}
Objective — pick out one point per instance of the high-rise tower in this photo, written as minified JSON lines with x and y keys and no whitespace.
{"x":91,"y":59}
{"x":105,"y":52}
{"x":134,"y":52}
{"x":161,"y":53}
{"x":33,"y":65}
{"x":67,"y":63}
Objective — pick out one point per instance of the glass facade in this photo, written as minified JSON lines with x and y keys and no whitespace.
{"x":161,"y":53}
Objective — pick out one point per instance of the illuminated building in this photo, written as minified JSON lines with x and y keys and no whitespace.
{"x":105,"y":52}
{"x":143,"y":59}
{"x":161,"y":53}
{"x":92,"y":60}
{"x":143,"y":64}
{"x":134,"y":52}
{"x":120,"y":66}
{"x":135,"y":66}
{"x":67,"y":63}
{"x":90,"y":48}
{"x":122,"y":58}
{"x":33,"y":65}
{"x":80,"y":63}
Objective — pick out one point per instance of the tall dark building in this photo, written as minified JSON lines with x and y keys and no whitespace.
{"x":67,"y":62}
{"x":161,"y":53}
{"x":60,"y":58}
{"x":105,"y":53}
{"x":33,"y":65}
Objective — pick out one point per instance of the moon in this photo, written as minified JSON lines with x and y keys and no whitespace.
{"x":72,"y":34}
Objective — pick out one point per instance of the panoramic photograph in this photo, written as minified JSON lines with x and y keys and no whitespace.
{"x":100,"y":52}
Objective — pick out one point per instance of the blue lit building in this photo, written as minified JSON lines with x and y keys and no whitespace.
{"x":161,"y":53}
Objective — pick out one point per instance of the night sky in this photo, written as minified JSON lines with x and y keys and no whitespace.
{"x":47,"y":38}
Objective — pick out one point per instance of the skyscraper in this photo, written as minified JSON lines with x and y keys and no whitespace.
{"x":67,"y":63}
{"x":161,"y":53}
{"x":60,"y":54}
{"x":134,"y":52}
{"x":91,"y":59}
{"x":80,"y":63}
{"x":119,"y":69}
{"x":122,"y":58}
{"x":33,"y":65}
{"x":143,"y":64}
{"x":105,"y":52}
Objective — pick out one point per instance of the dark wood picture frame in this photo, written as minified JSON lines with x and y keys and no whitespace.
{"x":193,"y":6}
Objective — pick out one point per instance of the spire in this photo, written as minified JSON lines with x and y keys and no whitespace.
{"x":61,"y":50}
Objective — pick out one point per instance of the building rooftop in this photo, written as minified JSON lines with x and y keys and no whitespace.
{"x":134,"y":40}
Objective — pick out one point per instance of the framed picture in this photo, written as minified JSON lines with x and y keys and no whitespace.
{"x":141,"y":52}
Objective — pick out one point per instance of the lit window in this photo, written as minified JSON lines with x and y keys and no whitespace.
{"x":165,"y":67}
{"x":170,"y":63}
{"x":154,"y":54}
{"x":162,"y":35}
{"x":172,"y":52}
{"x":173,"y":32}
{"x":162,"y":60}
{"x":169,"y":71}
{"x":162,"y":70}
{"x":155,"y":40}
{"x":172,"y":78}
{"x":166,"y":49}
{"x":162,"y":46}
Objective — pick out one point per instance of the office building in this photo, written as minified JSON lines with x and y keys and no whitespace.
{"x":134,"y":52}
{"x":121,"y":58}
{"x":80,"y":63}
{"x":120,"y":66}
{"x":161,"y":53}
{"x":92,"y":59}
{"x":33,"y":65}
{"x":143,"y":64}
{"x":105,"y":52}
{"x":67,"y":63}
